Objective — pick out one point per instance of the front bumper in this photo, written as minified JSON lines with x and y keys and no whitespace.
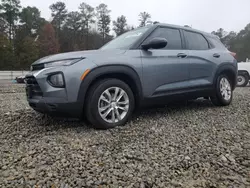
{"x":56,"y":107}
{"x":47,"y":99}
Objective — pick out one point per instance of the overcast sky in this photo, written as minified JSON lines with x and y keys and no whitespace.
{"x":206,"y":15}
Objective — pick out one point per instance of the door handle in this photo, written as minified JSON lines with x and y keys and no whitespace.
{"x":216,"y":55}
{"x":181,"y":55}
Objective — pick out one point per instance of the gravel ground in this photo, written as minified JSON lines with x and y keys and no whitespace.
{"x":182,"y":145}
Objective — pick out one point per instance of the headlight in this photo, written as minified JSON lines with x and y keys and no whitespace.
{"x":56,"y":80}
{"x":61,"y":63}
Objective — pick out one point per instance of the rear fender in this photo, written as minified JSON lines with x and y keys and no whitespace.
{"x":226,"y":67}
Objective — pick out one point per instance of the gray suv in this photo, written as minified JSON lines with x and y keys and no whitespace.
{"x":153,"y":64}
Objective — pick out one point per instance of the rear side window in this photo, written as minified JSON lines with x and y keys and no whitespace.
{"x":196,"y":41}
{"x":216,"y":42}
{"x":173,"y":37}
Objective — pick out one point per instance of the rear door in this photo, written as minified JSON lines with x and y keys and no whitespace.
{"x":202,"y":58}
{"x":166,"y":69}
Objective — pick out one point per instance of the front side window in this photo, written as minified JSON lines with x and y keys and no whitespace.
{"x":173,"y":37}
{"x":196,"y":41}
{"x":125,"y":40}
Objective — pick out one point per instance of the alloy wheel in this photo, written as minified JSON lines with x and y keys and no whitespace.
{"x":113,"y":104}
{"x":225,"y":89}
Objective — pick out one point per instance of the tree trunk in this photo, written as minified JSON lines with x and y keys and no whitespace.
{"x":87,"y":36}
{"x":103,"y":37}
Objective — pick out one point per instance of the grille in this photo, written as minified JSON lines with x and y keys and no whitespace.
{"x":37,"y":67}
{"x":32,"y":87}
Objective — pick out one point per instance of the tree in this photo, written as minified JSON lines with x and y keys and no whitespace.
{"x":3,"y":26}
{"x":87,"y":14}
{"x":144,"y":17}
{"x":228,"y":40}
{"x":71,"y":27}
{"x":31,"y":20}
{"x":59,"y":14}
{"x":241,"y":44}
{"x":73,"y":21}
{"x":220,"y":33}
{"x":48,"y":43}
{"x":28,"y":52}
{"x":120,"y":25}
{"x":103,"y":21}
{"x":9,"y":11}
{"x":7,"y":58}
{"x":238,"y":43}
{"x":129,"y":28}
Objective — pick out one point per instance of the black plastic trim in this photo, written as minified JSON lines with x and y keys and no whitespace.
{"x":105,"y":70}
{"x":244,"y":72}
{"x":137,"y":44}
{"x":226,"y":67}
{"x":54,"y":73}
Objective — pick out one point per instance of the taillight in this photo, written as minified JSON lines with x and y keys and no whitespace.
{"x":233,"y":54}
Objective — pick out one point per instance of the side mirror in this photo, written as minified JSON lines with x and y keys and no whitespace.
{"x":155,"y":43}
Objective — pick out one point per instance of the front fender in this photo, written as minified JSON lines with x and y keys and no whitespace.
{"x":108,"y":70}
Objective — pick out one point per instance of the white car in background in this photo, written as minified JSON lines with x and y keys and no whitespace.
{"x":243,"y":73}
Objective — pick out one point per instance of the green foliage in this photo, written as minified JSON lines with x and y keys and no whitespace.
{"x":73,"y":21}
{"x":7,"y":57}
{"x":31,"y":20}
{"x":238,"y":43}
{"x":70,"y":32}
{"x":144,"y":17}
{"x":28,"y":52}
{"x":3,"y":26}
{"x":87,"y":13}
{"x":103,"y":21}
{"x":220,"y":33}
{"x":59,"y":15}
{"x":120,"y":25}
{"x":9,"y":11}
{"x":87,"y":16}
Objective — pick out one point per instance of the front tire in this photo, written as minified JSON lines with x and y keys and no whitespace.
{"x":242,"y":80}
{"x":223,"y":92}
{"x":110,"y":103}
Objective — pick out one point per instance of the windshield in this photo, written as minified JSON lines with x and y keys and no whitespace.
{"x":125,"y":40}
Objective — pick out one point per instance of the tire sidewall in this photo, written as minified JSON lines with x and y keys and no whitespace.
{"x":218,"y":92}
{"x":98,"y":121}
{"x":246,"y":80}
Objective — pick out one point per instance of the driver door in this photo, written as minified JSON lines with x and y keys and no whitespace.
{"x":165,"y":70}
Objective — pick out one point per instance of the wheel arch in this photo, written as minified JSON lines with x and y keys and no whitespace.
{"x":228,"y":70}
{"x":244,"y":72}
{"x":122,"y":72}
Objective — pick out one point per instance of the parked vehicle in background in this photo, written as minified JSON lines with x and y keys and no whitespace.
{"x":243,"y":74}
{"x":20,"y":79}
{"x":153,"y":64}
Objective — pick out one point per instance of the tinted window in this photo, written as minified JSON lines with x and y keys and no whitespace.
{"x":216,"y":42}
{"x":196,"y":41}
{"x":125,"y":40}
{"x":171,"y":35}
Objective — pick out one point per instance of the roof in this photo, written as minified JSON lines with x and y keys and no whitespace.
{"x":184,"y":28}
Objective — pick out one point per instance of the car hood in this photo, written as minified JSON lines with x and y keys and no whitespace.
{"x":92,"y":54}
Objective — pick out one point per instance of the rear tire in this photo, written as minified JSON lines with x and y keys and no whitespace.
{"x":224,"y":93}
{"x":110,"y":103}
{"x":242,"y":80}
